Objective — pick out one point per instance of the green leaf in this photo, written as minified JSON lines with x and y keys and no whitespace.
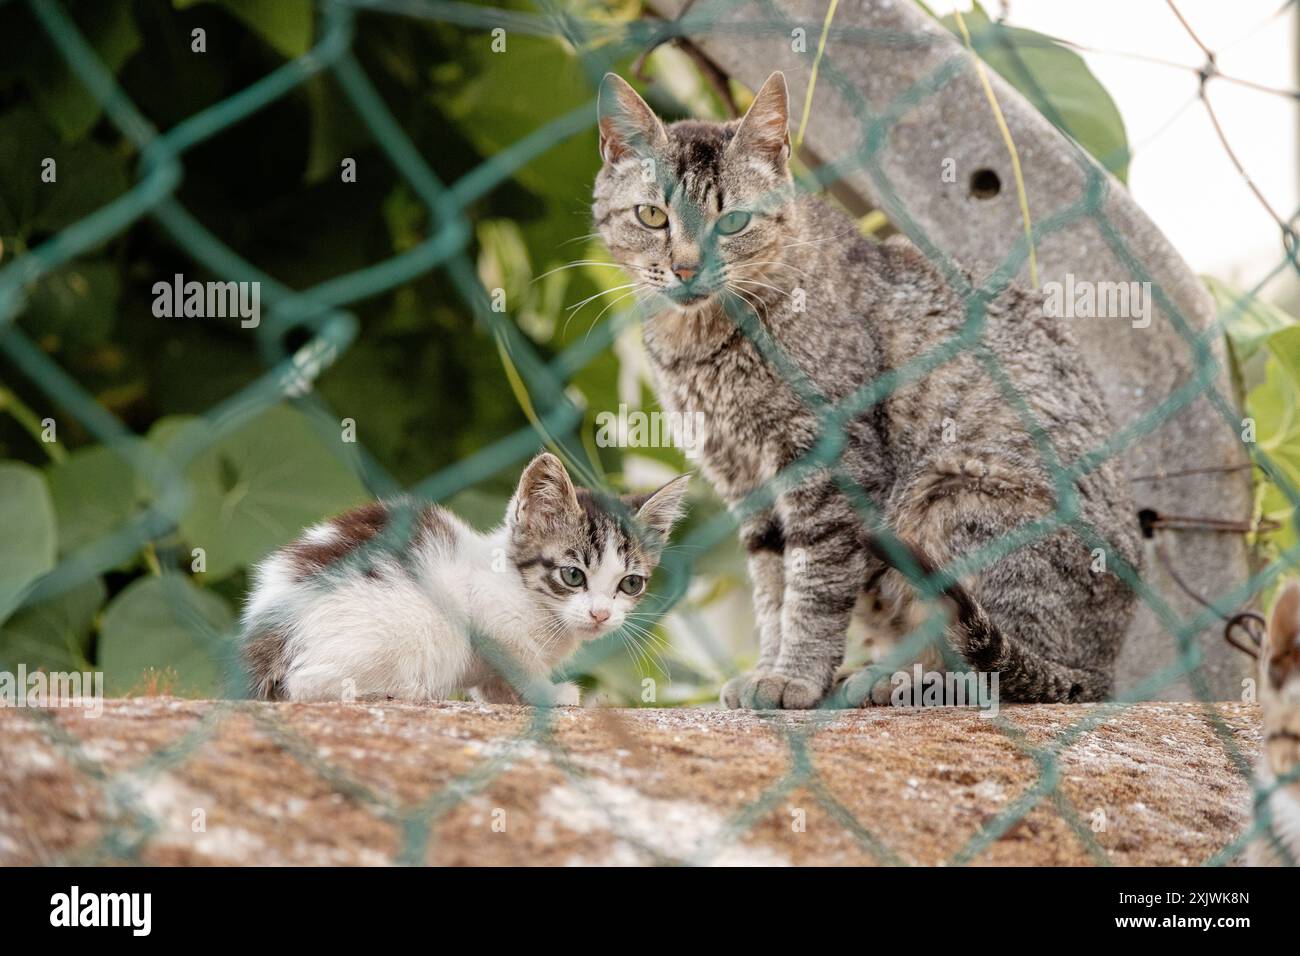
{"x":74,"y":307}
{"x":286,"y":25}
{"x":1250,"y":320}
{"x":88,"y":176}
{"x":1056,"y":81}
{"x":53,"y":634}
{"x":495,"y":106}
{"x":94,"y":494}
{"x":258,"y":487}
{"x":27,"y":532}
{"x":1285,"y":346}
{"x":164,"y":623}
{"x":63,"y":99}
{"x":1274,"y":406}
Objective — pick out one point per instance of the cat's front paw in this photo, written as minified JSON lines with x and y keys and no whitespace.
{"x":735,"y":691}
{"x":871,"y":686}
{"x":566,"y":695}
{"x":766,"y":690}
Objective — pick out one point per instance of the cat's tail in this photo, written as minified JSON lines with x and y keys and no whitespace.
{"x":1024,"y":674}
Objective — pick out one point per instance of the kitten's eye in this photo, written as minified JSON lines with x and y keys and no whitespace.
{"x":572,"y":576}
{"x":632,"y":585}
{"x":652,"y":216}
{"x":732,"y":223}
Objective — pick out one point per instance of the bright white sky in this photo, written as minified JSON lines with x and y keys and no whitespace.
{"x":1180,"y":174}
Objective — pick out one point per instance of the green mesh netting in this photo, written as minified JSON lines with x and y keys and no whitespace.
{"x":321,"y":312}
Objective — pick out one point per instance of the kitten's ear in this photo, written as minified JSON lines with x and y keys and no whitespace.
{"x":628,"y":126}
{"x":1283,"y":646}
{"x":765,"y":130}
{"x":545,"y":494}
{"x":665,"y":507}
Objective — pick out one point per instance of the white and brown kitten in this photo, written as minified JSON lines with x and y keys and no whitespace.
{"x":1279,"y":700}
{"x":403,"y":600}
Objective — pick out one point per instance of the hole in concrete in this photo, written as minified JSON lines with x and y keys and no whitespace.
{"x":1147,"y":519}
{"x":985,"y":184}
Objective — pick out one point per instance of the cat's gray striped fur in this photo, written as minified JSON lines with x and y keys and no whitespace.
{"x":949,"y":460}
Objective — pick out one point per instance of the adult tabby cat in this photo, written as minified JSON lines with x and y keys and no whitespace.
{"x":705,"y":219}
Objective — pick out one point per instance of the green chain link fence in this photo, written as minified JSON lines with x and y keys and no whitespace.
{"x":322,"y":314}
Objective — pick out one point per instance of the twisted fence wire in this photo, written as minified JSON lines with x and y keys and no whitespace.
{"x":323,"y":312}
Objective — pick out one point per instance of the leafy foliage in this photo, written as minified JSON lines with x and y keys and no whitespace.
{"x":423,"y":384}
{"x":27,"y":545}
{"x":1265,"y":341}
{"x":1056,"y":81}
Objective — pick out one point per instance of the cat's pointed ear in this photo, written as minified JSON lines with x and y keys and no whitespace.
{"x":1283,"y":646}
{"x":545,"y":495}
{"x":663,"y":509}
{"x":765,"y":130}
{"x":628,"y":126}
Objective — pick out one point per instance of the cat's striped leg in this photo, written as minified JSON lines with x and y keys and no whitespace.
{"x":825,"y":567}
{"x":765,"y":546}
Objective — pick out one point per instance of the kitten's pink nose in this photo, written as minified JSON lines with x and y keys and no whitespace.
{"x":685,"y":273}
{"x":601,"y":616}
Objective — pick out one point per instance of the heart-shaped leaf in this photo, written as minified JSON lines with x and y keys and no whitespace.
{"x":27,"y":532}
{"x":165,"y":624}
{"x":55,"y":634}
{"x":258,"y":487}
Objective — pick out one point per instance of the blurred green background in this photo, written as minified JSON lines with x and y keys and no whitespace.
{"x":425,"y":384}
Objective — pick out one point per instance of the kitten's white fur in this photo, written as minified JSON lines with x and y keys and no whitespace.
{"x":400,"y":635}
{"x":404,"y":630}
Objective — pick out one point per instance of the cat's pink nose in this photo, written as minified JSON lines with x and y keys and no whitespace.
{"x":600,"y":617}
{"x":685,"y":273}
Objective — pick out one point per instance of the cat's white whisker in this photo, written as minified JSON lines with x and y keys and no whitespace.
{"x":607,"y":308}
{"x":772,"y":262}
{"x":764,"y":285}
{"x":590,"y":298}
{"x":748,"y":298}
{"x":578,"y":264}
{"x":812,"y":242}
{"x":573,"y":309}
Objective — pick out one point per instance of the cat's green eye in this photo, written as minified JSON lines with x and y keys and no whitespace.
{"x":652,"y":216}
{"x":632,"y":585}
{"x":732,"y":223}
{"x":572,"y":576}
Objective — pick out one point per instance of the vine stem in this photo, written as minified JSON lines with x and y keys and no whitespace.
{"x":812,"y":77}
{"x":1005,"y":130}
{"x":24,"y":416}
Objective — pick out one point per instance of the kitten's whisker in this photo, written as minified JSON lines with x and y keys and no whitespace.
{"x":647,"y":641}
{"x":632,"y":650}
